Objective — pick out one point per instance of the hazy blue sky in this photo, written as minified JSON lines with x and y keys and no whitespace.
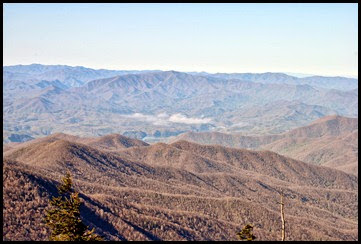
{"x":301,"y":38}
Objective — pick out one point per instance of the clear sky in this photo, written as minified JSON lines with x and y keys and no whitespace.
{"x":310,"y":38}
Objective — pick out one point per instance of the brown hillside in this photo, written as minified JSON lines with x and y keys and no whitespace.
{"x":268,"y":163}
{"x":330,"y":141}
{"x":181,"y":191}
{"x":113,"y":142}
{"x":327,"y":126}
{"x":331,"y":151}
{"x":109,"y":142}
{"x":164,"y":155}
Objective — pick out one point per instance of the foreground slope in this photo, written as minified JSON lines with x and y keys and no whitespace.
{"x":179,"y":191}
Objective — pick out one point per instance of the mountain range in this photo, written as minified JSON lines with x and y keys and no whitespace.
{"x":68,"y":75}
{"x":337,"y":82}
{"x":40,"y":100}
{"x":179,"y":191}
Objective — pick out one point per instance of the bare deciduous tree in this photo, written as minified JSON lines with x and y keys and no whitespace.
{"x":283,"y":233}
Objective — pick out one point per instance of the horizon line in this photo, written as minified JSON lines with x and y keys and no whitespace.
{"x":290,"y":73}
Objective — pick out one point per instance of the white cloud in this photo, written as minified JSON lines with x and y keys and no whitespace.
{"x":162,"y":115}
{"x":179,"y":118}
{"x":164,"y":119}
{"x":137,"y":115}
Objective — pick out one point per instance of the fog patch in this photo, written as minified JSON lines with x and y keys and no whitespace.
{"x":179,"y":118}
{"x":166,"y":119}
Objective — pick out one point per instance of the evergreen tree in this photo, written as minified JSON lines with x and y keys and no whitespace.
{"x":63,"y":218}
{"x":246,"y":233}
